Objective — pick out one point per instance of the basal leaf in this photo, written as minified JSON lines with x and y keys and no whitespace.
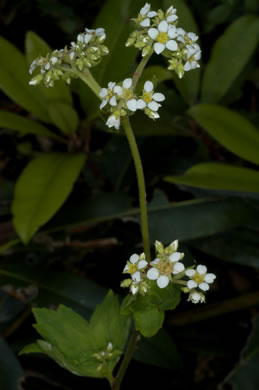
{"x":229,"y":128}
{"x":11,"y":371}
{"x":220,"y":177}
{"x":9,"y":120}
{"x":230,"y":54}
{"x":14,"y":81}
{"x":41,"y":190}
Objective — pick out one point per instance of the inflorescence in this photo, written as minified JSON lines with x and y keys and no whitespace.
{"x":167,"y":268}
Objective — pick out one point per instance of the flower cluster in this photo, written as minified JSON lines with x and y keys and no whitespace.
{"x":62,"y":64}
{"x":164,"y":269}
{"x":120,"y":100}
{"x":104,"y":356}
{"x":157,"y":32}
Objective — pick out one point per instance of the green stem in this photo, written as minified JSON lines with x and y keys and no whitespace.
{"x":89,"y":80}
{"x":125,"y":362}
{"x":141,"y":185}
{"x":139,"y":70}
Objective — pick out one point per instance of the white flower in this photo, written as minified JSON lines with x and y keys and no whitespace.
{"x":150,"y":99}
{"x":199,"y":278}
{"x":171,"y":14}
{"x":112,"y":121}
{"x":163,"y":269}
{"x":108,"y":94}
{"x":131,"y":102}
{"x":163,"y":34}
{"x":145,"y":15}
{"x":196,"y":297}
{"x":32,"y":67}
{"x":134,"y":266}
{"x":193,"y":55}
{"x":186,"y":38}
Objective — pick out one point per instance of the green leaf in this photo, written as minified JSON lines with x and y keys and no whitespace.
{"x":147,"y":320}
{"x":220,"y":177}
{"x":188,"y":86}
{"x":41,"y":190}
{"x":229,"y":128}
{"x":245,"y":375}
{"x":24,"y":126}
{"x":35,"y":47}
{"x":14,"y":81}
{"x":11,"y":371}
{"x":159,"y":351}
{"x":78,"y":346}
{"x":31,"y":348}
{"x":164,"y":299}
{"x":63,"y":116}
{"x":229,"y":56}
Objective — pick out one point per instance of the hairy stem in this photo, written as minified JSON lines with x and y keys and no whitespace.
{"x":125,"y":362}
{"x":139,"y":70}
{"x":141,"y":186}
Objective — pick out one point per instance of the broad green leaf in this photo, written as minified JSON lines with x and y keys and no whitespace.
{"x":229,"y":128}
{"x":164,"y":299}
{"x":54,"y":288}
{"x":159,"y":350}
{"x":41,"y":190}
{"x":189,"y":84}
{"x":35,"y":47}
{"x":148,"y":320}
{"x":230,"y":54}
{"x":245,"y":374}
{"x":31,"y":348}
{"x":220,"y":177}
{"x":11,"y":371}
{"x":183,"y":220}
{"x":24,"y":126}
{"x":14,"y":81}
{"x":63,"y":116}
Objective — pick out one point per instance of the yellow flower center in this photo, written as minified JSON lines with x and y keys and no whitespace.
{"x":165,"y":267}
{"x":162,"y":37}
{"x":198,"y":278}
{"x":147,"y":97}
{"x":127,"y":94}
{"x":132,"y":268}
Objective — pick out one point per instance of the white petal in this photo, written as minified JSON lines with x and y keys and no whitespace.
{"x":204,"y":286}
{"x":144,"y":10}
{"x":145,"y":22}
{"x":172,"y":32}
{"x":156,"y":261}
{"x":209,"y":278}
{"x":174,"y":257}
{"x":159,"y":47}
{"x":201,"y":269}
{"x":187,"y":66}
{"x":171,"y":45}
{"x":142,"y":264}
{"x":153,"y":33}
{"x":158,"y":97}
{"x":47,"y":66}
{"x":152,"y":274}
{"x":72,"y":55}
{"x":191,"y":284}
{"x":162,"y":281}
{"x":118,"y":90}
{"x":151,"y":14}
{"x":171,"y":18}
{"x":163,"y":26}
{"x":134,"y":289}
{"x":111,"y":84}
{"x":195,"y":297}
{"x":178,"y":267}
{"x":103,"y":104}
{"x":154,"y":115}
{"x":190,"y":272}
{"x":180,"y":38}
{"x":141,"y":104}
{"x":192,"y":36}
{"x":53,"y":60}
{"x":134,"y":258}
{"x":180,"y":31}
{"x":154,"y":106}
{"x":113,"y":101}
{"x":99,"y":31}
{"x":127,"y":83}
{"x":103,"y":92}
{"x":88,"y":38}
{"x":136,"y":277}
{"x":132,"y":104}
{"x":148,"y":86}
